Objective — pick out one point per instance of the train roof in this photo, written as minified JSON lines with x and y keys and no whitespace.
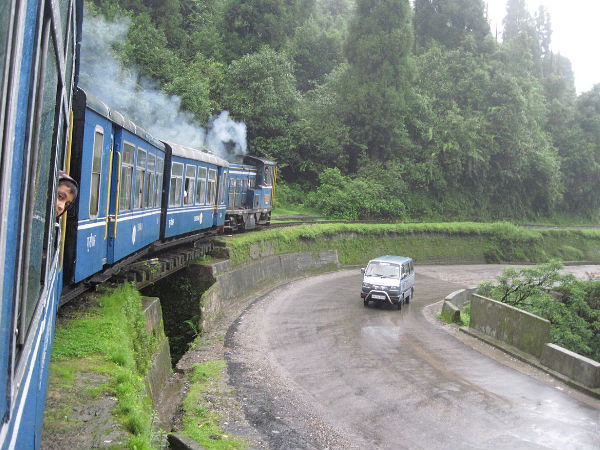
{"x":115,"y":116}
{"x":195,"y":154}
{"x":251,"y":159}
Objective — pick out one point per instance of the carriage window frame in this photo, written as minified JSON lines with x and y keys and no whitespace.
{"x":126,"y":188}
{"x":222,"y":188}
{"x":176,"y":184}
{"x":96,"y":174}
{"x":158,"y":182}
{"x":140,"y":177}
{"x":211,"y":187}
{"x":190,"y":180}
{"x":201,"y":186}
{"x":150,"y":177}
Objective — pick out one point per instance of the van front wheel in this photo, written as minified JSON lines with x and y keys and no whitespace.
{"x":410,"y":296}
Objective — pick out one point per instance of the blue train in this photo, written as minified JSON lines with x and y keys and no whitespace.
{"x":38,"y":70}
{"x":136,"y":194}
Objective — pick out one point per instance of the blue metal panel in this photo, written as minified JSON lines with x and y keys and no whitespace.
{"x":135,"y":228}
{"x":91,"y":239}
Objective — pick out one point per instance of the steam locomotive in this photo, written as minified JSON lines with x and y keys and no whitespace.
{"x":135,"y":192}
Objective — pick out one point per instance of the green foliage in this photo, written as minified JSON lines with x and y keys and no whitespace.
{"x":260,"y":88}
{"x":345,"y":198}
{"x":449,"y":22}
{"x":572,"y":306}
{"x":462,"y":241}
{"x":473,"y":128}
{"x":198,"y":422}
{"x":112,"y":338}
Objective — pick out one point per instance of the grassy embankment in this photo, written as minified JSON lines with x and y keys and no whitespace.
{"x":107,"y":338}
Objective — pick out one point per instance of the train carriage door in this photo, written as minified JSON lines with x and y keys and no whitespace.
{"x":93,"y":197}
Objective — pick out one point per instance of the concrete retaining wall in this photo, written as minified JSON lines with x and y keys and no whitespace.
{"x":231,"y":285}
{"x":161,"y":363}
{"x":523,"y":330}
{"x":579,"y":368}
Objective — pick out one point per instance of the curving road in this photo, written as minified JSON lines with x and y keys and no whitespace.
{"x":316,"y":369}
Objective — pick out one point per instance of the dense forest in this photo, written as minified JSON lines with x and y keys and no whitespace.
{"x":382,"y":108}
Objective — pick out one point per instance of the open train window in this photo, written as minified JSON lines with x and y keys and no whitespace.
{"x":150,"y":176}
{"x":222,"y":188}
{"x":126,"y":177}
{"x":211,"y":189}
{"x":158,"y":182}
{"x":176,"y":184}
{"x":96,"y":171}
{"x":190,"y":181}
{"x":140,"y":177}
{"x":201,"y":186}
{"x":268,"y":179}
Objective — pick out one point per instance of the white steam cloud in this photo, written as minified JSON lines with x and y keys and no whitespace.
{"x":141,"y":100}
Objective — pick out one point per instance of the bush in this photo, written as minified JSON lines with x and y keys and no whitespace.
{"x":342,"y":197}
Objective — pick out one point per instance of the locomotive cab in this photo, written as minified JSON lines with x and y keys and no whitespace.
{"x":250,"y":193}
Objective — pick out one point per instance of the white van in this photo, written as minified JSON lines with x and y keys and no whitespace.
{"x":389,"y":279}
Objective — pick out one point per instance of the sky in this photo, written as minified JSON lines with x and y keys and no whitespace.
{"x":574,"y":34}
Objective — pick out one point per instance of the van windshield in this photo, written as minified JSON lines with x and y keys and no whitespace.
{"x":383,"y":270}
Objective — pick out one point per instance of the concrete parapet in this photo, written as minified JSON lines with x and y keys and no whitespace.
{"x":160,"y":371}
{"x":450,"y":312}
{"x":579,"y":368}
{"x":153,"y":313}
{"x":267,"y":271}
{"x":518,"y":328}
{"x":460,"y":298}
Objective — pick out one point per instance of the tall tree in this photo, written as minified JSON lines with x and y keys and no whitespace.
{"x":260,"y":89}
{"x":449,"y":22}
{"x":250,"y":24}
{"x":380,"y":75}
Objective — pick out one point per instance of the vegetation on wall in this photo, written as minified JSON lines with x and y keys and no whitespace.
{"x":109,"y":340}
{"x":572,"y":306}
{"x":425,"y":242}
{"x":419,"y":100}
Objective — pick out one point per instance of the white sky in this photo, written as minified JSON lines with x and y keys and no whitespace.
{"x":574,"y":34}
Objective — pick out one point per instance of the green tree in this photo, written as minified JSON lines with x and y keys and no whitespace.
{"x":379,"y":79}
{"x":449,"y":22}
{"x":250,"y":24}
{"x":260,"y":89}
{"x":316,"y":51}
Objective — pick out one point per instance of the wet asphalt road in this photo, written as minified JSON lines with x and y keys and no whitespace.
{"x":388,"y":379}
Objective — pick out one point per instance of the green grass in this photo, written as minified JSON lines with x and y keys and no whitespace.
{"x":425,"y":242}
{"x":199,"y":423}
{"x":109,"y":339}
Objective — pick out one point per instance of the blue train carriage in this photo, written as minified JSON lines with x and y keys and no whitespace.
{"x":121,"y":168}
{"x":250,"y":193}
{"x":194,"y":198}
{"x":38,"y":68}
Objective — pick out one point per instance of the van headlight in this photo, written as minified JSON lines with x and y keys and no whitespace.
{"x":367,"y":286}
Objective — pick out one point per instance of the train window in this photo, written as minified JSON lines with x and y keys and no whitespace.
{"x":150,"y":176}
{"x":211,"y":189}
{"x":190,"y":180}
{"x":222,"y":188}
{"x":201,"y":186}
{"x":158,"y":182}
{"x":39,"y":211}
{"x":176,"y":184}
{"x":96,"y":170}
{"x":140,"y":177}
{"x":126,"y":177}
{"x":268,"y":180}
